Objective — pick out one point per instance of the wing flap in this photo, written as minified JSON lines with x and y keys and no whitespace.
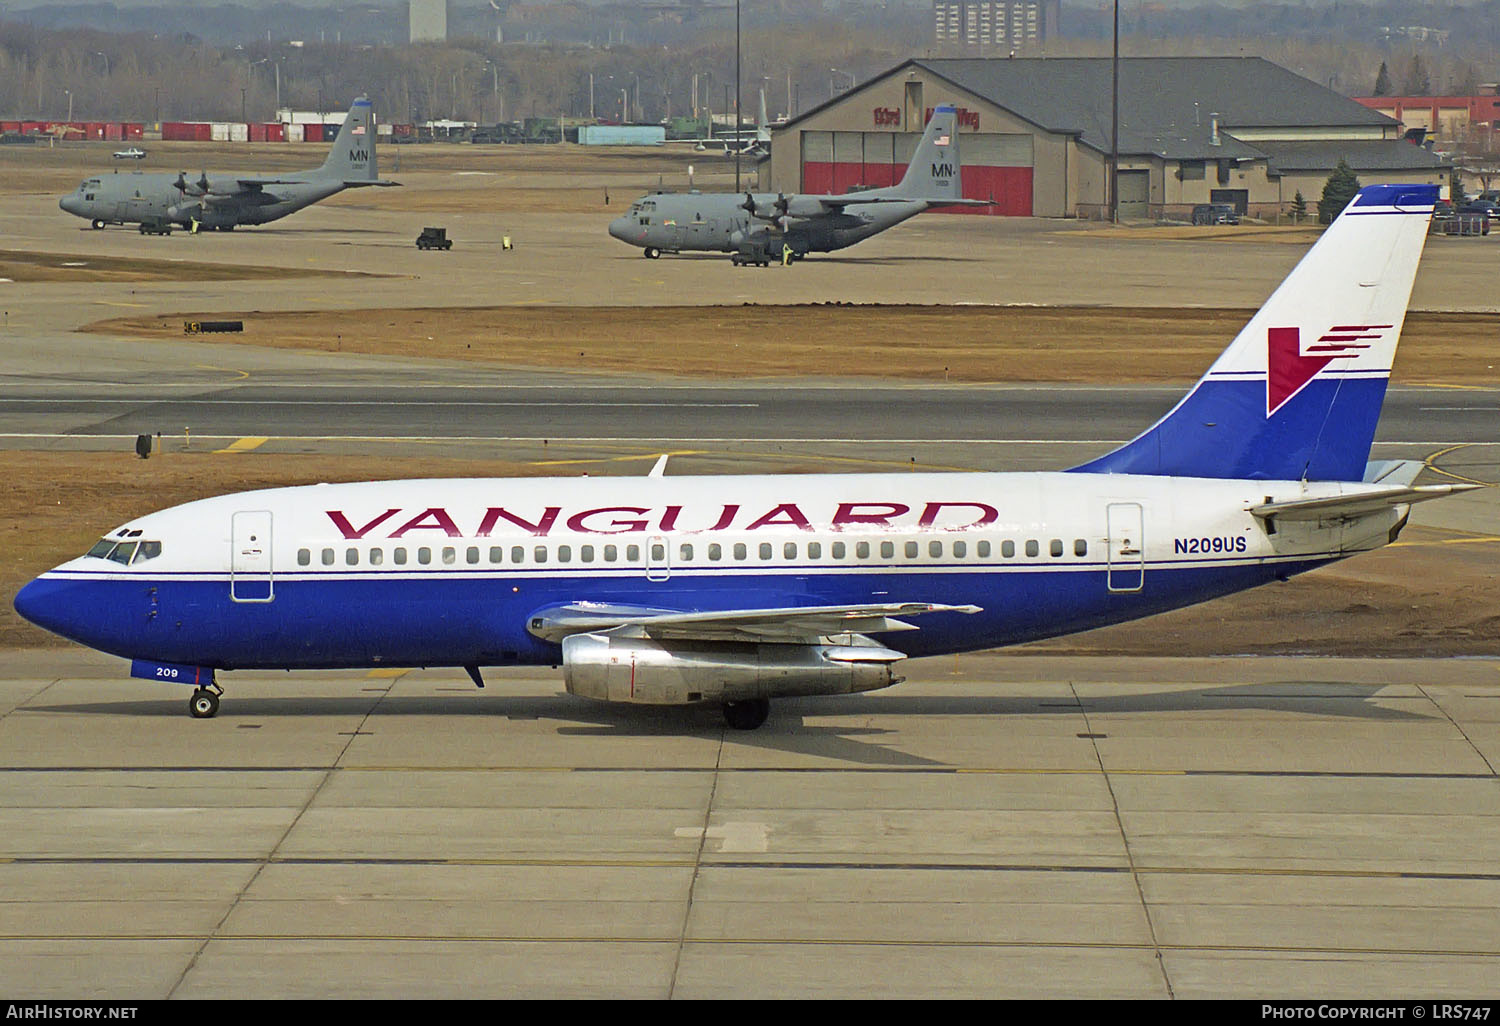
{"x":789,"y":624}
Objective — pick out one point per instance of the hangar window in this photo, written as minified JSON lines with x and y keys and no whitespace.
{"x":1193,"y":171}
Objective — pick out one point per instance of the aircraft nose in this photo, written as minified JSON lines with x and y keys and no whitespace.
{"x":56,"y":606}
{"x":617,"y":228}
{"x":70,"y":204}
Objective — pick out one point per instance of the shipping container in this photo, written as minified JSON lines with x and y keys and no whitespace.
{"x":114,"y":131}
{"x":219,"y":131}
{"x":239,"y":132}
{"x":622,"y":135}
{"x":275,"y":131}
{"x":133,"y":130}
{"x":312,"y":133}
{"x":294,"y":133}
{"x":10,"y":126}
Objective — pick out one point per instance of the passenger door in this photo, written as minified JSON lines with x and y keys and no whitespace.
{"x":250,"y":573}
{"x":1126,"y":547}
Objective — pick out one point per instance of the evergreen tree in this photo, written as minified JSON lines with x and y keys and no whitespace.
{"x":1456,"y":194}
{"x":1337,"y":192}
{"x":1418,"y":82}
{"x":1299,"y":208}
{"x":1383,"y":81}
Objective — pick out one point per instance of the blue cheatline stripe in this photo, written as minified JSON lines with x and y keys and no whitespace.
{"x":1323,"y":433}
{"x":340,"y":623}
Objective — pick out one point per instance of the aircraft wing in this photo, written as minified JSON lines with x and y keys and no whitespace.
{"x":854,"y":199}
{"x":791,"y":624}
{"x":1354,"y":505}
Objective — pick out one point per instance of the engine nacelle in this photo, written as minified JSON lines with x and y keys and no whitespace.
{"x":650,"y":672}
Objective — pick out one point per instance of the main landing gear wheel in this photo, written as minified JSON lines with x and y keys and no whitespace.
{"x":204,"y":704}
{"x":747,"y":715}
{"x":96,"y":223}
{"x":651,"y":252}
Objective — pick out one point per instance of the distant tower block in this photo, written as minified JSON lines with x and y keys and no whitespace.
{"x":429,"y":21}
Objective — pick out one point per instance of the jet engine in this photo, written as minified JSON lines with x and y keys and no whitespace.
{"x":652,"y":672}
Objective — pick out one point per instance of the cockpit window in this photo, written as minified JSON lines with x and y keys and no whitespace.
{"x":122,"y":553}
{"x":125,"y":552}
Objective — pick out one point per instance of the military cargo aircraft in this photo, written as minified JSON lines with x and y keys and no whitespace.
{"x":158,"y":202}
{"x":762,"y":229}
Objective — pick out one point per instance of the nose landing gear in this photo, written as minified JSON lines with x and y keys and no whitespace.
{"x":205,"y":702}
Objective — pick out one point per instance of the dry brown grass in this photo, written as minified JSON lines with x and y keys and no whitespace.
{"x":935,"y":343}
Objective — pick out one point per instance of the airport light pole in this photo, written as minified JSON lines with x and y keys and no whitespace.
{"x":736,"y":95}
{"x":1114,"y":126}
{"x":70,"y":103}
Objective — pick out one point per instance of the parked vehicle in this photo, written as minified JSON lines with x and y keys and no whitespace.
{"x":1215,"y":213}
{"x":434,"y":238}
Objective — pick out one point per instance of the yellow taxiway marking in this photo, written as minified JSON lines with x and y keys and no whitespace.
{"x":389,"y":671}
{"x":1431,"y":464}
{"x":243,"y":445}
{"x":243,"y":374}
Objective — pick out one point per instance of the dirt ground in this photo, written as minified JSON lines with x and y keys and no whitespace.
{"x":1432,"y":594}
{"x":933,"y":343}
{"x":87,"y":267}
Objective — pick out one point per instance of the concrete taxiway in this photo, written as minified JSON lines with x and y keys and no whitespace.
{"x":994,"y":827}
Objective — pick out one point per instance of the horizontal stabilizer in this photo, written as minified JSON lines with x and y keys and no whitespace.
{"x":796,"y":623}
{"x":1355,"y":505}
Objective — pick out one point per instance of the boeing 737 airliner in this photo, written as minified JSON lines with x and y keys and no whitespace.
{"x":737,"y":590}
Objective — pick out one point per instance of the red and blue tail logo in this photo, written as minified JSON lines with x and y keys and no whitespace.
{"x":1297,"y":394}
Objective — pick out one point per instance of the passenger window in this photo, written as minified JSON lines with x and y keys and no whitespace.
{"x":887,"y":550}
{"x":540,"y":553}
{"x":632,"y":553}
{"x":862,"y":550}
{"x":740,"y":551}
{"x":960,"y":550}
{"x":424,"y":555}
{"x":517,"y":554}
{"x":685,"y":553}
{"x":982,"y":550}
{"x":911,"y":548}
{"x":1056,"y":548}
{"x":935,"y":549}
{"x":715,"y":551}
{"x":611,"y":553}
{"x":658,"y":551}
{"x":328,"y":557}
{"x":1080,"y":547}
{"x":473,"y":554}
{"x":1008,"y":549}
{"x":586,"y":553}
{"x":376,"y":557}
{"x":565,"y":553}
{"x":450,"y":555}
{"x":497,"y":554}
{"x":400,"y":556}
{"x":837,"y":550}
{"x":789,"y":550}
{"x":304,"y":557}
{"x":765,"y":550}
{"x":351,"y":557}
{"x":1032,"y":548}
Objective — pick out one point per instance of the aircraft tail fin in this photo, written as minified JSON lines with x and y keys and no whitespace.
{"x":1297,"y":394}
{"x":934,"y":172}
{"x":352,"y":159}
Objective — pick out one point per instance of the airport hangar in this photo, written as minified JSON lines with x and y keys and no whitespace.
{"x":1036,"y":135}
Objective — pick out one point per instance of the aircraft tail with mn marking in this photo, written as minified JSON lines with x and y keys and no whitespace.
{"x":1298,"y":393}
{"x":934,"y":172}
{"x":352,"y":159}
